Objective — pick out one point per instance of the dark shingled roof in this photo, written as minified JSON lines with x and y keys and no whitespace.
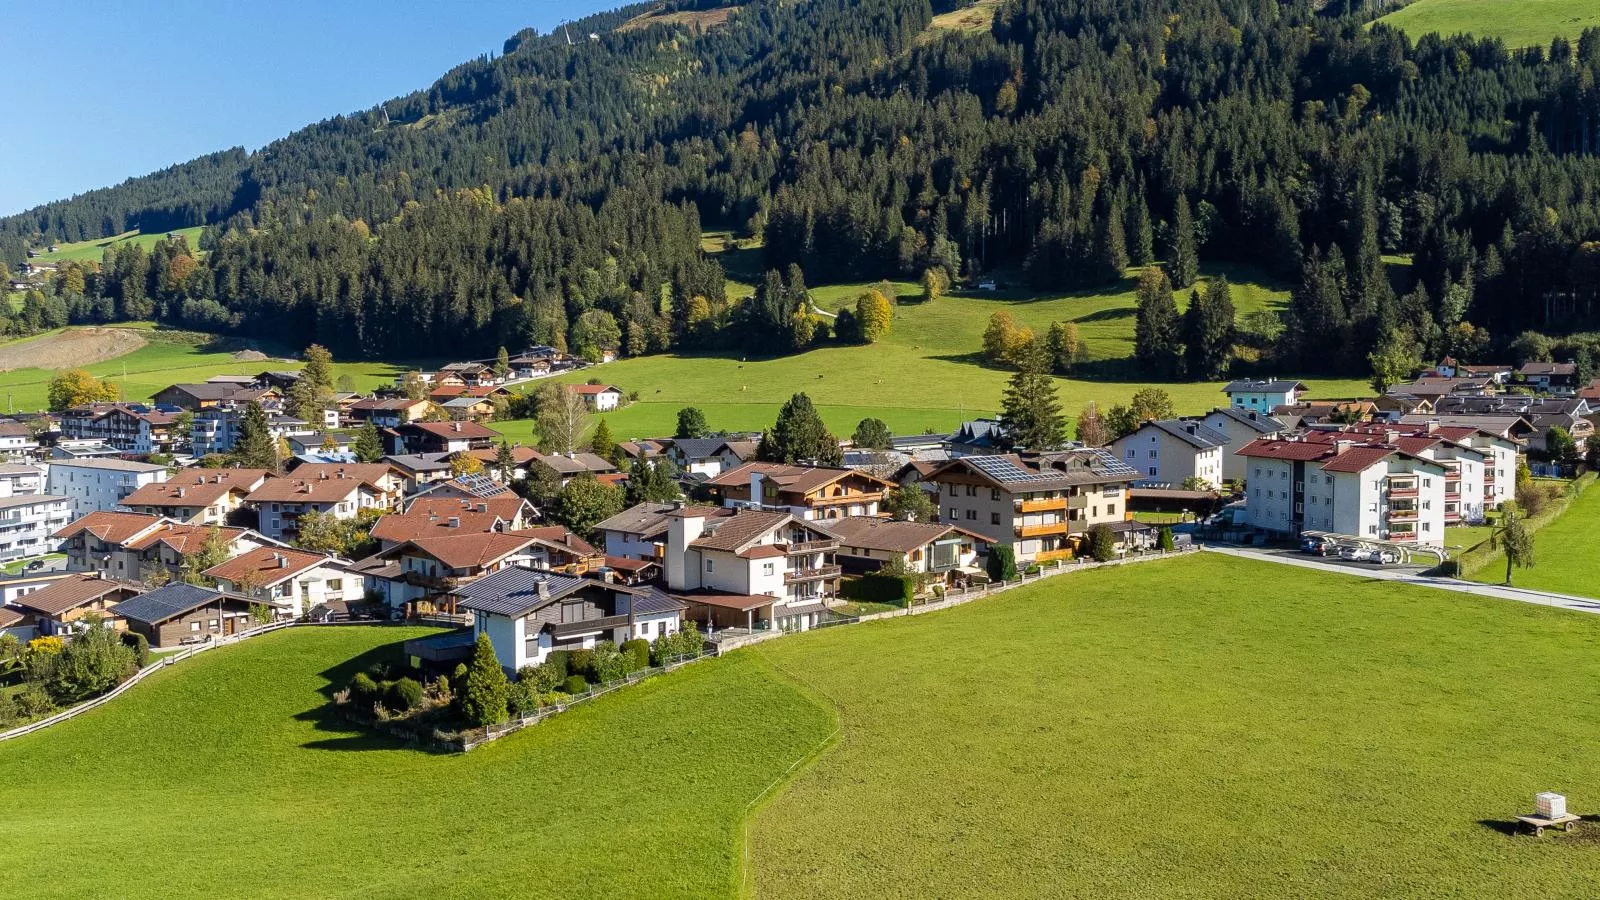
{"x":165,"y":602}
{"x":514,"y":590}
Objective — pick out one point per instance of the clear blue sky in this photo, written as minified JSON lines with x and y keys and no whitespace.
{"x":123,"y":88}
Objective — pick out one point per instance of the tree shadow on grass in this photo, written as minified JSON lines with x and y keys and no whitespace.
{"x":352,"y":735}
{"x":1107,"y":315}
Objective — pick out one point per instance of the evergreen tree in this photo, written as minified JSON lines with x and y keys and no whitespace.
{"x":1208,"y":331}
{"x":602,"y":443}
{"x":1141,"y":234}
{"x":502,"y":363}
{"x":1183,"y":262}
{"x":368,"y":444}
{"x":1030,"y":411}
{"x":483,"y":696}
{"x":255,"y":448}
{"x":799,"y":435}
{"x":1156,"y":342}
{"x":318,"y":369}
{"x":871,"y":434}
{"x":505,"y":462}
{"x":1316,"y":328}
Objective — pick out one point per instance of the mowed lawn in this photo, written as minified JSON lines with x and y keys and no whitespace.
{"x":167,"y":359}
{"x":94,"y":251}
{"x":1565,"y":556}
{"x":221,"y":777}
{"x":1520,"y":23}
{"x":925,"y":375}
{"x":1193,"y":728}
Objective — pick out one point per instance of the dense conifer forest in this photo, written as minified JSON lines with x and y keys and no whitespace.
{"x":557,"y":193}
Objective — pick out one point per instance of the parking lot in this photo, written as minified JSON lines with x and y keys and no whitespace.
{"x":1407,"y":567}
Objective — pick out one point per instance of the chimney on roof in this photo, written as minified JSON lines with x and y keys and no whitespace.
{"x":543,"y":586}
{"x":1341,"y":446}
{"x":455,"y":426}
{"x":180,"y":493}
{"x":483,"y":507}
{"x":280,"y":560}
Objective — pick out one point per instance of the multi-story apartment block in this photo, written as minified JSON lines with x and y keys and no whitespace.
{"x":100,"y":484}
{"x":17,"y":479}
{"x":129,"y":427}
{"x":28,"y":520}
{"x":1345,"y":484}
{"x":1041,"y":505}
{"x":753,"y":569}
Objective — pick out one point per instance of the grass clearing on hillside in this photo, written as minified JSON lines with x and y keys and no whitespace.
{"x":1165,"y":730}
{"x":977,"y":17}
{"x":92,"y":251}
{"x":1520,"y":23}
{"x":223,"y":776}
{"x":1564,"y":553}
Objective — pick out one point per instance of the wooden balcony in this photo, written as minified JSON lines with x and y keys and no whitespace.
{"x":1028,"y":531}
{"x":567,"y":629}
{"x":799,"y":575}
{"x":1045,"y":504}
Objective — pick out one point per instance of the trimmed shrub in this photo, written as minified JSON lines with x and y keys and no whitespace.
{"x":609,"y":663}
{"x":877,"y":587}
{"x":140,"y":645}
{"x":581,"y":662}
{"x":483,"y":697}
{"x":1164,"y":538}
{"x":560,"y":662}
{"x":575,"y":684}
{"x":363,"y":690}
{"x":1102,"y":543}
{"x":404,"y":694}
{"x":551,"y":698}
{"x":523,"y":697}
{"x":637,"y":652}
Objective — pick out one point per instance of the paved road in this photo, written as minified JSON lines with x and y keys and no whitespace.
{"x":1410,"y":576}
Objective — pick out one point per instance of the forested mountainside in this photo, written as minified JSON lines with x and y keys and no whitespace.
{"x":550,"y":193}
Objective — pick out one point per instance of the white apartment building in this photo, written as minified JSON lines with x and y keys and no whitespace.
{"x":216,"y":429}
{"x":1239,"y":427}
{"x":1341,"y":484}
{"x":17,"y":480}
{"x":96,"y":485}
{"x":1171,"y":451}
{"x":28,"y":520}
{"x":17,"y":441}
{"x":753,"y":569}
{"x":1263,"y":396}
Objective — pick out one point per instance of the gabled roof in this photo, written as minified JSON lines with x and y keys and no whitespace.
{"x":195,"y":487}
{"x":266,"y":566}
{"x":1266,"y":386}
{"x":186,"y":540}
{"x":395,"y":529}
{"x":797,"y":479}
{"x":1195,"y":434}
{"x":1261,"y":423}
{"x":593,"y":389}
{"x":576,"y":463}
{"x":560,"y":538}
{"x":1548,"y":368}
{"x":111,"y":527}
{"x":644,"y":519}
{"x":466,"y":551}
{"x":700,"y":448}
{"x":166,"y":602}
{"x":515,"y":590}
{"x":70,"y":593}
{"x":370,"y":473}
{"x":886,"y":534}
{"x":737,"y":532}
{"x":297,"y":489}
{"x":464,"y":431}
{"x":506,"y":506}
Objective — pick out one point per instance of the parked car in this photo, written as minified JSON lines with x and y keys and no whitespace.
{"x":1355,"y":554}
{"x":1386,"y":557}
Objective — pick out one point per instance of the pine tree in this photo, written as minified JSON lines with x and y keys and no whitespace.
{"x":368,"y":445}
{"x":602,"y":443}
{"x":318,"y":371}
{"x":1316,"y":328}
{"x":1184,"y":261}
{"x":505,"y":462}
{"x":483,"y":697}
{"x":1141,"y":235}
{"x":1030,"y":411}
{"x":1156,"y":343}
{"x":255,"y":448}
{"x":799,"y":435}
{"x":691,"y":423}
{"x":502,"y":363}
{"x":1208,"y":331}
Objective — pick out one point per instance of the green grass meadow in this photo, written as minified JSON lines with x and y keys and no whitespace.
{"x":93,"y":251}
{"x":1520,"y":23}
{"x":1142,"y":731}
{"x":1564,"y":554}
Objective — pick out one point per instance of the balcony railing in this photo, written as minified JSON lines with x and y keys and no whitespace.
{"x":1026,"y":531}
{"x":1403,"y":491}
{"x":565,"y":629}
{"x":1402,"y":515}
{"x":1042,"y":504}
{"x":812,"y":547}
{"x":799,"y":575}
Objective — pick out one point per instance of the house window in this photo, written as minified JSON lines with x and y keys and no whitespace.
{"x":972,"y":490}
{"x":194,"y":626}
{"x":709,"y":566}
{"x":994,"y":494}
{"x":1152,"y":471}
{"x":972,"y":515}
{"x":335,"y":584}
{"x":766,"y":568}
{"x":994,"y":518}
{"x":1111,"y":509}
{"x":1132,"y":452}
{"x":952,"y":513}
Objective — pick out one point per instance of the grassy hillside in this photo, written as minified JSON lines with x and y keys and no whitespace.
{"x":169,"y":357}
{"x":224,"y":777}
{"x":1563,"y":554}
{"x":1161,"y":733}
{"x":93,"y":250}
{"x":927,"y":373}
{"x":1148,"y":731}
{"x":1520,"y":23}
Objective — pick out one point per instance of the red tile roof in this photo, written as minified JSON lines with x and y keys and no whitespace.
{"x":111,"y":527}
{"x":1357,"y":459}
{"x":471,"y":551}
{"x":262,"y":567}
{"x":195,"y":487}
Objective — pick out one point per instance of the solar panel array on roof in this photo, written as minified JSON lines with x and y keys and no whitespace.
{"x":1109,"y":462}
{"x":480,"y":485}
{"x":1004,"y":470}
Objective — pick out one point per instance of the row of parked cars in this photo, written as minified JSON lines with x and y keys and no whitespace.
{"x":1349,"y":551}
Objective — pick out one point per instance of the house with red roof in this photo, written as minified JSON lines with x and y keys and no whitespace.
{"x":292,"y":582}
{"x":599,"y":397}
{"x":1344,"y":483}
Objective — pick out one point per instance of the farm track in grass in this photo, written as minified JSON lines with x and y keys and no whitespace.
{"x":1520,"y":23}
{"x":1198,"y":728}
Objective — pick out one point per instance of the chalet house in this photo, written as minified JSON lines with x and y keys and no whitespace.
{"x":529,"y":614}
{"x":178,"y":613}
{"x":1239,"y":427}
{"x":571,"y":465}
{"x":1264,"y":395}
{"x":1342,"y":484}
{"x":390,"y":412}
{"x":280,"y":502}
{"x":421,"y":469}
{"x":62,"y":607}
{"x":645,"y":449}
{"x":388,"y":481}
{"x":292,"y":582}
{"x":755,"y":569}
{"x":467,"y":373}
{"x":558,"y":550}
{"x":946,"y":551}
{"x":445,"y":516}
{"x":129,"y":427}
{"x":525,"y":367}
{"x":806,"y":492}
{"x":135,"y":547}
{"x":440,"y":437}
{"x":209,"y":394}
{"x":197,"y":496}
{"x":640,"y":531}
{"x":1549,"y":376}
{"x":598,"y":397}
{"x":418,"y":575}
{"x":464,"y":487}
{"x":18,"y":623}
{"x":17,"y":441}
{"x":710,"y":457}
{"x":1170,"y":451}
{"x":522,"y":460}
{"x":1042,"y":506}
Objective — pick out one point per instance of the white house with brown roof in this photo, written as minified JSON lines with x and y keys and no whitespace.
{"x":934,"y":548}
{"x":753,"y":569}
{"x":1345,"y":484}
{"x":807,"y":492}
{"x":280,"y":502}
{"x":415,"y":576}
{"x":440,"y":437}
{"x":135,"y":546}
{"x":197,"y":496}
{"x":291,"y":581}
{"x":1171,"y":451}
{"x":598,"y":397}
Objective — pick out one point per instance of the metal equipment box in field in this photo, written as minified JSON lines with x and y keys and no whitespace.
{"x":1550,"y":806}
